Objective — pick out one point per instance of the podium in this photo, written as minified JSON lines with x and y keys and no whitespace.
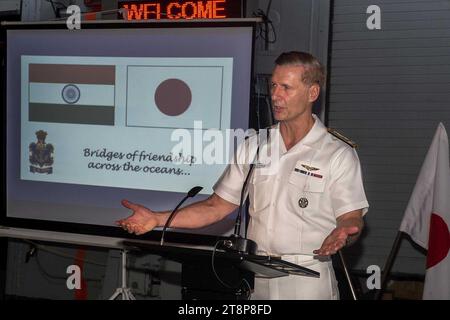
{"x":201,"y":267}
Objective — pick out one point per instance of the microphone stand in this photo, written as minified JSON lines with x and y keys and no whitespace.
{"x":236,"y":242}
{"x":192,"y":193}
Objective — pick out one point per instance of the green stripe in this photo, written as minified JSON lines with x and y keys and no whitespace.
{"x":80,"y":114}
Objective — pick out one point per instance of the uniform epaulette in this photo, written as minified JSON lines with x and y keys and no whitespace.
{"x":342,"y":137}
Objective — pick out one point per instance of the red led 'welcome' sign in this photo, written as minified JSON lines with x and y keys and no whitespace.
{"x":188,"y":10}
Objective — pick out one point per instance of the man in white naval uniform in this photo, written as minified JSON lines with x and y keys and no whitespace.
{"x":305,"y":207}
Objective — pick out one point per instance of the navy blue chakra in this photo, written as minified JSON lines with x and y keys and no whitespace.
{"x":71,"y":94}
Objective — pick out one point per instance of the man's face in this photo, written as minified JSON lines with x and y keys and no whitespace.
{"x":291,"y":98}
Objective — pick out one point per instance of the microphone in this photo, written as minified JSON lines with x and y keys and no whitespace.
{"x":192,"y":193}
{"x":236,"y":242}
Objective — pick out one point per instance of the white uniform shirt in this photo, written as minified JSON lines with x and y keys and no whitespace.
{"x":294,"y":207}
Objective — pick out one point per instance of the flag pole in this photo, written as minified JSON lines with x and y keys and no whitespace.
{"x":347,"y":275}
{"x":388,"y":265}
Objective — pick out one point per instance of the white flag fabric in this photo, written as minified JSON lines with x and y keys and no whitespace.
{"x":427,"y":216}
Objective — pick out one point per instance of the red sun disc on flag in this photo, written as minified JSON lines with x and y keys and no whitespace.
{"x":173,"y":97}
{"x":438,"y":242}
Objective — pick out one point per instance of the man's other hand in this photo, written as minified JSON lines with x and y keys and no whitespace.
{"x":140,"y":221}
{"x":336,"y":240}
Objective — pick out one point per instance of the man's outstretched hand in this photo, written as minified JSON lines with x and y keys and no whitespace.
{"x":141,"y":221}
{"x":336,"y":240}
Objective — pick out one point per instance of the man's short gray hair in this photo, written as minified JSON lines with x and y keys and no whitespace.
{"x":314,"y":71}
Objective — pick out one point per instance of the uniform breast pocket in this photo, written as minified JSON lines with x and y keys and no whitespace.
{"x":315,"y":185}
{"x":297,"y":181}
{"x":305,"y":191}
{"x":307,"y":183}
{"x":259,"y":193}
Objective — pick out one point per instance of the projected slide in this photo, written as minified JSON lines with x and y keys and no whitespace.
{"x":108,"y":121}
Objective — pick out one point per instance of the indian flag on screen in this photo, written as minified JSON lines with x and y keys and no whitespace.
{"x":71,"y":93}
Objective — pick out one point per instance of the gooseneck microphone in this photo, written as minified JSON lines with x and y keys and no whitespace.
{"x":192,"y":193}
{"x":236,"y":242}
{"x":237,"y":225}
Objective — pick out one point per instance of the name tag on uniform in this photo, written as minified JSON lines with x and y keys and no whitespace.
{"x":308,"y":171}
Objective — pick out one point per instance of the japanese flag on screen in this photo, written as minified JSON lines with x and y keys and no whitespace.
{"x":174,"y":96}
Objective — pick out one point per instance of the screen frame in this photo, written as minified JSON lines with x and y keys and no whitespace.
{"x":98,"y":230}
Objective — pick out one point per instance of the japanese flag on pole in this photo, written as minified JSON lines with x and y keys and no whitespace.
{"x":427,"y":217}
